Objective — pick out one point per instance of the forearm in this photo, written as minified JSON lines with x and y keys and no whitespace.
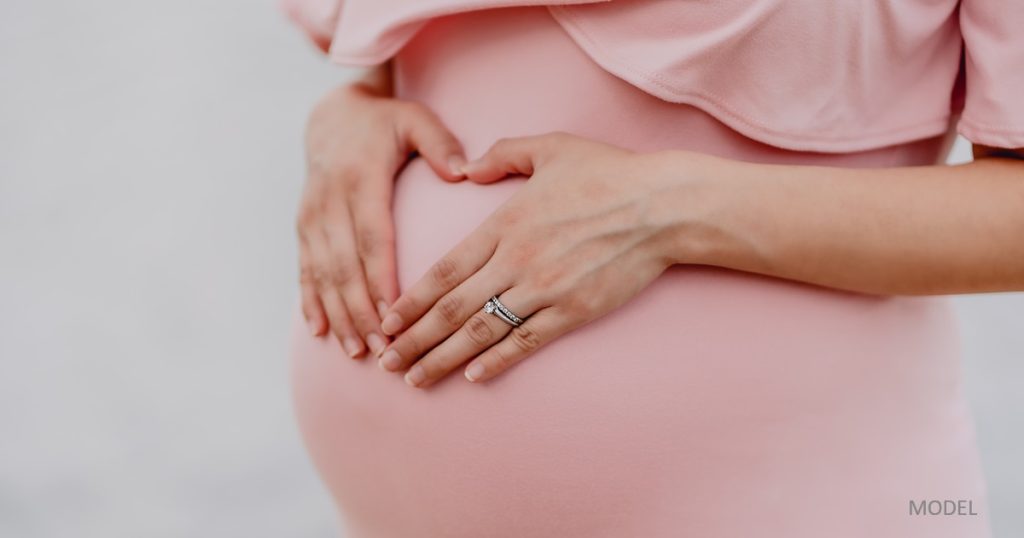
{"x":912,"y":230}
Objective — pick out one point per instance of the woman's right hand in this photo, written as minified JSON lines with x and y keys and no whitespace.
{"x":357,"y":139}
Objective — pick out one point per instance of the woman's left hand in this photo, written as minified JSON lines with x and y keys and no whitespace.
{"x":586,"y":233}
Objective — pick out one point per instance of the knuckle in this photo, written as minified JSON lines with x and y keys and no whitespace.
{"x":340,"y":329}
{"x":366,"y":241}
{"x":519,"y":253}
{"x":341,"y":276}
{"x":318,"y":276}
{"x":582,"y":305}
{"x":433,"y":369}
{"x":362,"y":319}
{"x":445,"y":272}
{"x":502,"y":360}
{"x":551,"y":285}
{"x":352,"y":188}
{"x":525,"y":339}
{"x":549,"y":278}
{"x":409,"y":346}
{"x":538,"y":290}
{"x":308,"y":275}
{"x":479,"y":331}
{"x":308,"y":215}
{"x":450,"y":309}
{"x":558,"y":292}
{"x":371,"y":241}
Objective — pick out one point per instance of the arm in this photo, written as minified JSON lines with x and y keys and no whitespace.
{"x":911,"y":230}
{"x":595,"y":224}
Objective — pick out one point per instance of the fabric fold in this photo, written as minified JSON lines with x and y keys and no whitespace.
{"x":803,"y":75}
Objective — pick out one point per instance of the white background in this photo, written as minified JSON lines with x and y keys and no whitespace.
{"x":150,"y":163}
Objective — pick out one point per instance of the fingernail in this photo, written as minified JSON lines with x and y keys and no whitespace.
{"x":351,"y":346}
{"x":390,"y":360}
{"x":475,"y":371}
{"x":415,"y":376}
{"x":391,"y":324}
{"x":314,"y":328}
{"x":376,"y":343}
{"x":455,"y":164}
{"x":382,"y":308}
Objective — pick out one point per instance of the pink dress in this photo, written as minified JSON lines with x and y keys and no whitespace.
{"x":714,"y":403}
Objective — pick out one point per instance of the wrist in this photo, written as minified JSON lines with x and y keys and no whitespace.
{"x":694,"y":202}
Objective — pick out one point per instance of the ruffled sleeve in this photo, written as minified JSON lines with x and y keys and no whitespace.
{"x":368,"y":32}
{"x":318,"y":18}
{"x":993,"y":33}
{"x":805,"y":75}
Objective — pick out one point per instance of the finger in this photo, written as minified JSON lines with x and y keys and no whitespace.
{"x":349,"y":280}
{"x":375,"y":241}
{"x":521,"y":342}
{"x":425,"y":133}
{"x":510,"y":156}
{"x":329,"y":298}
{"x":443,"y":319}
{"x":462,"y":261}
{"x":477,"y":334}
{"x":341,"y":324}
{"x":312,"y":309}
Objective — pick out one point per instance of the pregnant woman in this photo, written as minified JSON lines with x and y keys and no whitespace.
{"x":711,"y":237}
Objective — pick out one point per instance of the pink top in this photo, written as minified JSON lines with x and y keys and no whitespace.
{"x":807,"y":75}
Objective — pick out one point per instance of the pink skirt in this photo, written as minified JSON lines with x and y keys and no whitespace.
{"x":714,"y":403}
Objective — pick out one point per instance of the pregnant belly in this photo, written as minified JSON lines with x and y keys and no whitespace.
{"x":713,"y":403}
{"x":709,"y":392}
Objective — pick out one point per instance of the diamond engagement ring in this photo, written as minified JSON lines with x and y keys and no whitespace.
{"x":494,"y":306}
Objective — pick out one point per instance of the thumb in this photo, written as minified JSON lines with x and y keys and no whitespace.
{"x":425,"y":133}
{"x":508,"y":156}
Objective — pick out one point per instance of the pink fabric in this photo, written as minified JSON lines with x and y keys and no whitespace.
{"x":798,"y":74}
{"x":713,"y":404}
{"x":372,"y":31}
{"x":994,"y":35}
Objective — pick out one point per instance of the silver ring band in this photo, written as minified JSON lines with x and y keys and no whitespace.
{"x":494,"y":306}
